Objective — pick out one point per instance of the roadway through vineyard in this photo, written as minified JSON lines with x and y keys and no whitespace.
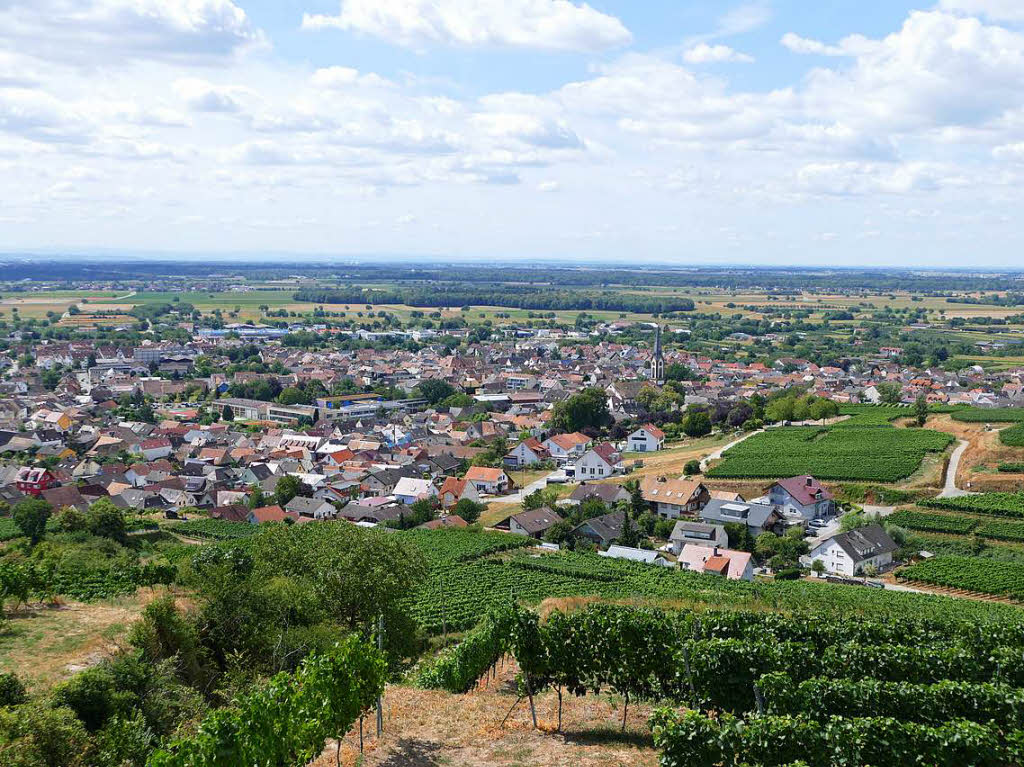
{"x":428,"y":728}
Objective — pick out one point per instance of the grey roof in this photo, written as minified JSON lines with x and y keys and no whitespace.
{"x":606,"y":492}
{"x":865,"y":542}
{"x":302,"y":505}
{"x":536,"y":521}
{"x":608,"y":527}
{"x":753,"y":514}
{"x":684,"y":530}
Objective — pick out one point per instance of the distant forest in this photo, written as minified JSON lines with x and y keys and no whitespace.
{"x":781,"y":281}
{"x":511,"y":296}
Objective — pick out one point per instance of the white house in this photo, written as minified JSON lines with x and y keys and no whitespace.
{"x":408,"y":490}
{"x":598,"y":462}
{"x":488,"y":480}
{"x":849,"y":553}
{"x":527,"y":453}
{"x":311,"y":508}
{"x":566,"y":448}
{"x":647,"y":439}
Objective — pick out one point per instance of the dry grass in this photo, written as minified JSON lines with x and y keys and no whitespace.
{"x":424,"y":728}
{"x":45,"y":644}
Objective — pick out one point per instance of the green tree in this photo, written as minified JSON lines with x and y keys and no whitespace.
{"x":921,"y":410}
{"x":227,"y":414}
{"x":293,"y":396}
{"x":12,"y":691}
{"x":469,"y":510}
{"x":288,"y":487}
{"x":257,"y":499}
{"x":890,"y":392}
{"x":38,"y":734}
{"x":630,"y":535}
{"x":696,"y":423}
{"x":31,"y":515}
{"x":692,"y":467}
{"x":106,"y":520}
{"x":434,"y":390}
{"x":588,"y":409}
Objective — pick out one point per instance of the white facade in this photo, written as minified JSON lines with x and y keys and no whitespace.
{"x":839,"y":562}
{"x":593,"y":466}
{"x":642,"y":441}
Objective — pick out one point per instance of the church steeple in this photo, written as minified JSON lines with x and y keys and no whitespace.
{"x":658,"y":360}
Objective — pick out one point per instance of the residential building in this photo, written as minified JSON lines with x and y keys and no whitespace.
{"x":712,"y":560}
{"x":851,"y":552}
{"x":647,"y":439}
{"x":674,"y":498}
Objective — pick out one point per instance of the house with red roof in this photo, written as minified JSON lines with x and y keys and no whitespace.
{"x":647,"y":439}
{"x":804,"y":496}
{"x":454,"y":490}
{"x":488,"y":480}
{"x":527,"y":453}
{"x":600,"y":461}
{"x":266,"y":514}
{"x":734,"y":565}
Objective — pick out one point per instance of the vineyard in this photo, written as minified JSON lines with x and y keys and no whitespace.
{"x":993,"y":504}
{"x":765,"y":689}
{"x":466,"y":582}
{"x":1013,"y":436}
{"x":990,"y":415}
{"x":933,"y":523}
{"x":981,"y":575}
{"x":1013,"y":468}
{"x":851,"y":450}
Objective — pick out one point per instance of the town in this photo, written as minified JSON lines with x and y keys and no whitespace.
{"x":507,"y":457}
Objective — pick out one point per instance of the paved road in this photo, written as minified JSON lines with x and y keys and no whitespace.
{"x":718,"y":453}
{"x":951,"y":490}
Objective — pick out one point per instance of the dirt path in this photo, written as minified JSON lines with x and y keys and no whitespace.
{"x":950,"y":490}
{"x":718,"y":453}
{"x":428,"y":728}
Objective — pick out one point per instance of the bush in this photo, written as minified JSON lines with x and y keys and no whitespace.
{"x":692,"y":467}
{"x":12,"y":691}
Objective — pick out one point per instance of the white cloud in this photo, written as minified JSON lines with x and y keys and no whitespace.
{"x":702,"y":53}
{"x":343,"y":77}
{"x":202,"y":96}
{"x":92,"y":32}
{"x":548,"y":186}
{"x":557,"y":25}
{"x":849,"y":46}
{"x":530,"y":129}
{"x":997,"y":10}
{"x":743,"y":18}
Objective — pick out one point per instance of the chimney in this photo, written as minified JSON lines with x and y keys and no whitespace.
{"x":714,"y":553}
{"x":810,"y":481}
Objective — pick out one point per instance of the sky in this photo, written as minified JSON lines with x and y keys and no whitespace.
{"x":835,"y":132}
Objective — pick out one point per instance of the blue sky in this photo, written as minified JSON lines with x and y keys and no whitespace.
{"x":771,"y":131}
